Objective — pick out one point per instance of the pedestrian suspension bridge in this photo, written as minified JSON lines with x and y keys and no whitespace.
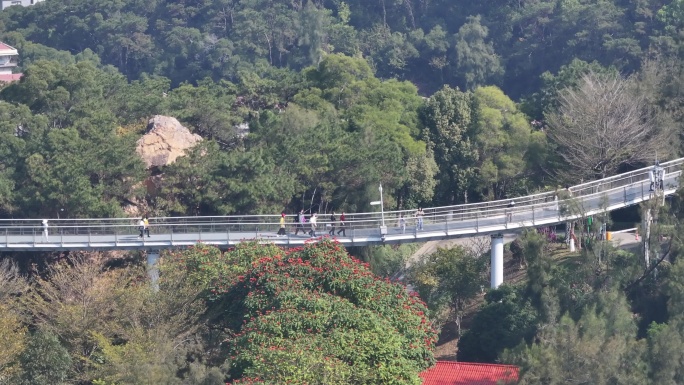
{"x":493,"y":218}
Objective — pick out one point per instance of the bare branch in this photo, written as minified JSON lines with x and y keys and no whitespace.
{"x":604,"y":124}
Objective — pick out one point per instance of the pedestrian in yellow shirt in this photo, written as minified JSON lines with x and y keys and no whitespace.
{"x":146,"y":226}
{"x":281,"y":230}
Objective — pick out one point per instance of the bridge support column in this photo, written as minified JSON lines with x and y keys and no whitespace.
{"x":570,"y":236}
{"x":497,"y":261}
{"x":647,"y":237}
{"x":152,"y":268}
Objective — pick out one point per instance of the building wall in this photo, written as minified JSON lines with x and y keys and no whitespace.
{"x":23,"y":3}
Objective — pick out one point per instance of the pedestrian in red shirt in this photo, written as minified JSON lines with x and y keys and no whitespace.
{"x":343,"y":225}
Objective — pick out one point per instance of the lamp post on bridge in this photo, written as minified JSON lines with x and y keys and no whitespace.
{"x":383,"y":228}
{"x":382,"y":206}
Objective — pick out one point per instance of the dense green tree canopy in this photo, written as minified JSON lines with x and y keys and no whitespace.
{"x":431,"y":43}
{"x":441,"y":101}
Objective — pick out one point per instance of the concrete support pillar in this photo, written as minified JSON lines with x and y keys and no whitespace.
{"x":570,"y":236}
{"x":570,"y":231}
{"x":152,"y":268}
{"x":497,"y":273}
{"x":647,"y":238}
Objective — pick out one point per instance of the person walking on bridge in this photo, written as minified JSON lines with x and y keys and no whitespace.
{"x":333,"y":218}
{"x":509,"y":211}
{"x":300,"y":222}
{"x":146,"y":224}
{"x":419,"y":218}
{"x":342,"y":225}
{"x":313,"y":220}
{"x":660,"y":176}
{"x":281,"y":230}
{"x":141,"y":227}
{"x":652,"y":177}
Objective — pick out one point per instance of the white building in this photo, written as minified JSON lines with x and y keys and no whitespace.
{"x":9,"y":57}
{"x":23,"y":3}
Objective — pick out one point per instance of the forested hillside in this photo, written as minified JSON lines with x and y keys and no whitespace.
{"x":441,"y":101}
{"x":510,"y":43}
{"x":331,"y":91}
{"x":336,"y":87}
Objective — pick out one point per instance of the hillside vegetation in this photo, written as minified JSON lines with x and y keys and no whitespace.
{"x":441,"y":101}
{"x":332,"y":92}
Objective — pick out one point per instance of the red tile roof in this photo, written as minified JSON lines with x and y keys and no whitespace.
{"x":464,"y":373}
{"x":4,"y":46}
{"x":10,"y":77}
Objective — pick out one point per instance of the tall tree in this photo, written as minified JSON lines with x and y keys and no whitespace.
{"x":449,"y":128}
{"x":603,"y":125}
{"x":476,"y":61}
{"x":314,"y":23}
{"x":503,"y":137}
{"x":449,"y":279}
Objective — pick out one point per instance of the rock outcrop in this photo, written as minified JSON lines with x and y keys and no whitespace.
{"x":166,"y":139}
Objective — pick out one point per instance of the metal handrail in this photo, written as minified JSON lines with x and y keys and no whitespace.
{"x":365,"y":220}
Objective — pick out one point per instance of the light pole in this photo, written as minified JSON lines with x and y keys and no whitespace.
{"x":383,"y":228}
{"x":382,"y":206}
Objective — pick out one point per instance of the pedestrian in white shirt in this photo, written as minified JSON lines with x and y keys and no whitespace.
{"x":141,"y":227}
{"x":313,"y":220}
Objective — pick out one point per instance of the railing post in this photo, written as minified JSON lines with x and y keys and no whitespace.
{"x":532,"y":215}
{"x":477,"y":221}
{"x":642,"y":191}
{"x":624,"y":191}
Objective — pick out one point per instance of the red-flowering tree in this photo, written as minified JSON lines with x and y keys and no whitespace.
{"x":315,"y":315}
